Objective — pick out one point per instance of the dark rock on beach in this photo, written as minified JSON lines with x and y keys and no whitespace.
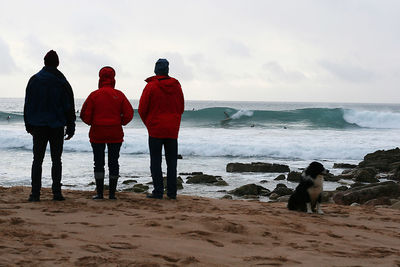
{"x":362,"y":194}
{"x":294,"y":176}
{"x":344,"y":166}
{"x":190,"y":173}
{"x":366,"y":175}
{"x":282,"y":190}
{"x":206,"y":179}
{"x":256,"y":167}
{"x":250,"y":189}
{"x":280,"y":177}
{"x":381,"y":160}
{"x":138,"y":188}
{"x":129,"y":181}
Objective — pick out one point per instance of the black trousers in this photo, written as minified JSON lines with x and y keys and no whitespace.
{"x":113,"y":156}
{"x":42,"y":136}
{"x":171,"y":157}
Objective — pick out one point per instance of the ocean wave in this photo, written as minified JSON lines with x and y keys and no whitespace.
{"x":373,"y":119}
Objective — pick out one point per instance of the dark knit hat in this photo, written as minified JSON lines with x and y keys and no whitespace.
{"x":162,"y":67}
{"x":51,"y":59}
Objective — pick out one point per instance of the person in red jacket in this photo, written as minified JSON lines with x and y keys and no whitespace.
{"x":161,"y":106}
{"x":106,"y":110}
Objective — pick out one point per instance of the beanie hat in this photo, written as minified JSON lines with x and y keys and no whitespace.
{"x":51,"y":59}
{"x":161,"y":67}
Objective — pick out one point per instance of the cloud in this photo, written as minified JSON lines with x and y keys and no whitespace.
{"x":7,"y":65}
{"x":178,"y":66}
{"x":236,"y":48}
{"x":276,"y":73}
{"x":348,"y":72}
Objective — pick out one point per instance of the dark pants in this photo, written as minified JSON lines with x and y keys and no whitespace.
{"x":171,"y":157}
{"x":42,"y":135}
{"x":113,"y":156}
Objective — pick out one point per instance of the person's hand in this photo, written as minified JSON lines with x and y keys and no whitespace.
{"x":68,"y":136}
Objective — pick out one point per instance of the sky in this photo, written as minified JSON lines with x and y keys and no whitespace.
{"x":248,"y":50}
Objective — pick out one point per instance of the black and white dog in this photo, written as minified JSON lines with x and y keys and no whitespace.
{"x":307,"y":195}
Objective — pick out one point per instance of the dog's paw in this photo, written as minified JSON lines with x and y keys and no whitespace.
{"x":320,"y":212}
{"x":309,"y":211}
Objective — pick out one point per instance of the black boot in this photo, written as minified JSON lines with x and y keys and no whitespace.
{"x":113,"y":187}
{"x":99,"y":177}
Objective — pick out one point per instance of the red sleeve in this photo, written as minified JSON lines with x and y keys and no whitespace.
{"x":144,"y":103}
{"x":181,"y":100}
{"x":127,"y":111}
{"x":87,"y":111}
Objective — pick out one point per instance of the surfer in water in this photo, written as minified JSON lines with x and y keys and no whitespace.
{"x":227,"y":118}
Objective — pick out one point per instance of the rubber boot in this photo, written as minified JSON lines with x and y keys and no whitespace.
{"x":113,"y":187}
{"x":99,"y":177}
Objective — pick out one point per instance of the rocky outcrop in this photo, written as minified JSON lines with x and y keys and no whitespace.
{"x":280,"y":177}
{"x":294,"y":176}
{"x":362,"y":194}
{"x":138,"y":188}
{"x":366,"y":175}
{"x":250,"y":189}
{"x":382,"y":160}
{"x":344,"y":166}
{"x":206,"y":179}
{"x":256,"y":167}
{"x":282,"y":190}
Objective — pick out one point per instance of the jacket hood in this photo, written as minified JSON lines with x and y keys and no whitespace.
{"x":107,"y":77}
{"x":166,"y":83}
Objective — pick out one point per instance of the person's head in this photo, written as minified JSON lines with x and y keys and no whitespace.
{"x":107,"y":77}
{"x":162,"y":67}
{"x":51,"y":59}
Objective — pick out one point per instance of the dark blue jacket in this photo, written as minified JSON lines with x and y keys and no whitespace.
{"x":49,"y":101}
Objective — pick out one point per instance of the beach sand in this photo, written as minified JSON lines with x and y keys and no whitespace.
{"x":191,"y":231}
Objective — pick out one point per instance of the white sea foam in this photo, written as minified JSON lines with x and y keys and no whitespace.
{"x":373,"y":119}
{"x":242,"y":113}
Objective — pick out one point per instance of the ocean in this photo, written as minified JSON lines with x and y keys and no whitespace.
{"x":294,"y":134}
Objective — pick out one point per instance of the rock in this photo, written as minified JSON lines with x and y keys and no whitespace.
{"x":92,"y":183}
{"x":345,"y":176}
{"x":331,"y":178}
{"x":364,"y":193}
{"x":263,"y":181}
{"x":283,"y":198}
{"x":381,"y":159}
{"x":366,"y":175}
{"x":180,"y":156}
{"x":344,"y":166}
{"x":179,"y":183}
{"x":281,"y":185}
{"x":294,"y":176}
{"x":250,"y":189}
{"x":326,"y":196}
{"x":280,"y":177}
{"x":282,"y":191}
{"x":273,"y":196}
{"x":342,"y":188}
{"x":378,"y":202}
{"x":227,"y":197}
{"x":206,"y":179}
{"x":191,"y":173}
{"x":396,"y":206}
{"x":130,"y":181}
{"x":256,"y":167}
{"x":137,"y":188}
{"x":356,"y":184}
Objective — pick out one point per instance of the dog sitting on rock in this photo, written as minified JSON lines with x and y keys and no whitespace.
{"x":307,"y":195}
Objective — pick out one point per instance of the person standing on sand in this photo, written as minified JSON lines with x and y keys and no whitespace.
{"x":49,"y":107}
{"x":161,"y":106}
{"x":106,"y":110}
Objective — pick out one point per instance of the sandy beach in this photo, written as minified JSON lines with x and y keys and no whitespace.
{"x":191,"y":231}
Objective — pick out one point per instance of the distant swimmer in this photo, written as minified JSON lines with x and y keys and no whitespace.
{"x":8,"y":117}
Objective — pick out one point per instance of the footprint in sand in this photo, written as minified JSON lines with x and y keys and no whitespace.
{"x":93,"y":248}
{"x":122,"y":245}
{"x":169,"y":259}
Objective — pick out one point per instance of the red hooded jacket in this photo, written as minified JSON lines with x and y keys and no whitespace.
{"x":106,"y":110}
{"x":161,"y":106}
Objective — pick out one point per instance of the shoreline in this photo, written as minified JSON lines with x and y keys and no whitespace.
{"x":191,"y":231}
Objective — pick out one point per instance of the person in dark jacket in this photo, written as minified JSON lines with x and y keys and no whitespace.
{"x":49,"y":107}
{"x":106,"y":110}
{"x":161,"y":106}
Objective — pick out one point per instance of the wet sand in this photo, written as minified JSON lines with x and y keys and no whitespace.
{"x":190,"y":231}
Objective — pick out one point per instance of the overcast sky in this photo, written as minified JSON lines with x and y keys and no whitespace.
{"x":254,"y":50}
